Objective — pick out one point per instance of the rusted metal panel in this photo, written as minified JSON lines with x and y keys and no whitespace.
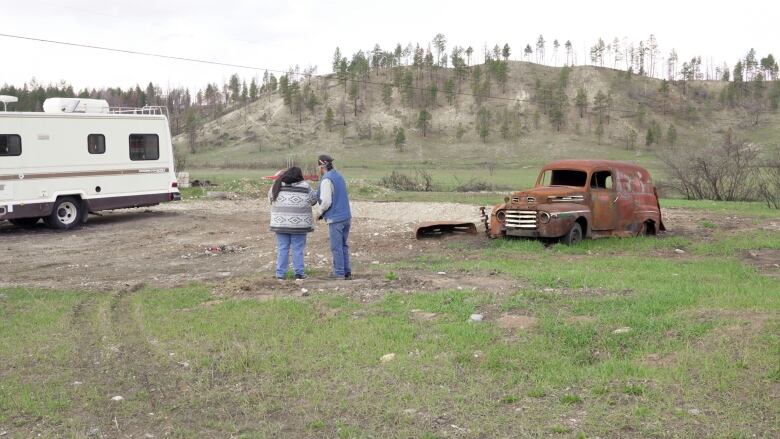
{"x":607,"y":198}
{"x":434,"y":229}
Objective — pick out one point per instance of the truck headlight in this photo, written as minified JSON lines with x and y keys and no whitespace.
{"x":501,"y":216}
{"x":544,"y":217}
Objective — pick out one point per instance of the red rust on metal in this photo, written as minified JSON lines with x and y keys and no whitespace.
{"x":600,"y":197}
{"x":439,"y":228}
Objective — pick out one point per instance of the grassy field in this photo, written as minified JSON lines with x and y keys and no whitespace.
{"x":617,"y":338}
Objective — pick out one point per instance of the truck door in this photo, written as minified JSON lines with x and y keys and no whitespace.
{"x":626,"y":203}
{"x":604,"y":200}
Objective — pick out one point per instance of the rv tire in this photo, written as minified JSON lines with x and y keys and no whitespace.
{"x":66,"y":214}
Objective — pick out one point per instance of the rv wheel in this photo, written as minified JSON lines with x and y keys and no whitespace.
{"x":66,"y":214}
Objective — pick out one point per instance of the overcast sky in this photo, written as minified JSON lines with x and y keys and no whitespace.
{"x":280,"y":34}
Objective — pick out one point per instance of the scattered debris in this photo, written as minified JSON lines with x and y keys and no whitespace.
{"x":118,"y":398}
{"x":476,"y":317}
{"x":77,"y":383}
{"x":679,"y":251}
{"x":694,"y":412}
{"x":217,"y":249}
{"x":442,"y":273}
{"x":304,"y":292}
{"x":184,"y":363}
{"x":622,"y":330}
{"x":387,"y":358}
{"x":410,"y":411}
{"x":93,"y":431}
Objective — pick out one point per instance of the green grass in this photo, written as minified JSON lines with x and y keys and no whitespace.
{"x":702,"y":338}
{"x":740,"y":208}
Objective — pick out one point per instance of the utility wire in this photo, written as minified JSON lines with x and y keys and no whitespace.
{"x":135,"y":52}
{"x":287,"y":72}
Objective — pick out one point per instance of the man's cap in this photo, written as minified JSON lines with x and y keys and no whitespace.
{"x":324,"y":158}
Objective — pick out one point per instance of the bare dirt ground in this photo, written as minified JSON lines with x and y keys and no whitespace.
{"x":227,"y":242}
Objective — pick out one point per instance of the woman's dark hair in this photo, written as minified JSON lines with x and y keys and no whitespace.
{"x":290,"y":176}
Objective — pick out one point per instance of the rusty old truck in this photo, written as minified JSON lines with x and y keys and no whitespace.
{"x":577,"y":199}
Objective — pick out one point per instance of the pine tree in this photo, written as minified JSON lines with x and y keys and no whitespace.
{"x":600,"y":106}
{"x":527,"y":52}
{"x":581,"y":101}
{"x":671,"y":135}
{"x":387,"y":94}
{"x":449,"y":91}
{"x":423,"y":120}
{"x":482,"y":125}
{"x":329,"y":119}
{"x":235,"y":88}
{"x":253,"y":90}
{"x":440,"y":43}
{"x":506,"y":52}
{"x":336,"y":59}
{"x":540,"y":50}
{"x":433,"y":91}
{"x":400,"y":138}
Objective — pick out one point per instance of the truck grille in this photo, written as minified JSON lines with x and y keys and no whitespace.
{"x":521,"y":219}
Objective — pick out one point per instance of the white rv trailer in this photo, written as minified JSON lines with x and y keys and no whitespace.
{"x":79,"y":156}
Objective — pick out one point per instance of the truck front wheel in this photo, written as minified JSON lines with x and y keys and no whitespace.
{"x":574,"y":236}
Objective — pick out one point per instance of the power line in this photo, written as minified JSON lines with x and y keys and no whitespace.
{"x":288,"y":72}
{"x":135,"y":52}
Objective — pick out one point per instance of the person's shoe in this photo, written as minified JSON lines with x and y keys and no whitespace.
{"x":280,"y":279}
{"x":336,"y":276}
{"x":348,"y":276}
{"x":300,"y":277}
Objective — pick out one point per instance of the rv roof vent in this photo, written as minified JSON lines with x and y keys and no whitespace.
{"x":5,"y":99}
{"x":75,"y":105}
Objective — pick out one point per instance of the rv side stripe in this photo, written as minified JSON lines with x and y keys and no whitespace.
{"x":22,"y":176}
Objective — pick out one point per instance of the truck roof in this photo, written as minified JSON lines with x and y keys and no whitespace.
{"x":590,"y":164}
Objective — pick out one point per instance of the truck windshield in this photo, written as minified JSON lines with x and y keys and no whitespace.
{"x":563,"y":177}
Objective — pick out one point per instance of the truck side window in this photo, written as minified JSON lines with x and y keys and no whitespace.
{"x":96,"y":144}
{"x":601,"y":180}
{"x":144,"y":147}
{"x":10,"y":145}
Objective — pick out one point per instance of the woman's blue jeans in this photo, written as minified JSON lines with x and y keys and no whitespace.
{"x":283,"y":243}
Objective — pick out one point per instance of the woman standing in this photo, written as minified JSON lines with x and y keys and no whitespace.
{"x":291,"y":199}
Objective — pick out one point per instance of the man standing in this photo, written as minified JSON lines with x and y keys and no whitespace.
{"x":334,"y":208}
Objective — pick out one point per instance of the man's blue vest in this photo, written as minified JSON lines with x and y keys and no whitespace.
{"x":339,"y":208}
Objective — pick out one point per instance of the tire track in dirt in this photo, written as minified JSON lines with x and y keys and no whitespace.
{"x":115,"y":359}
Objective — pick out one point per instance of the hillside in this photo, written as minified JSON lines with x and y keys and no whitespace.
{"x":522,"y":133}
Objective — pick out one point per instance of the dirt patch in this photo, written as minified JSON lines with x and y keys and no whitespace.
{"x":661,"y":360}
{"x":767,"y":261}
{"x":365,"y":287}
{"x":422,"y":315}
{"x":227,"y":243}
{"x":514,"y":322}
{"x":174,"y":244}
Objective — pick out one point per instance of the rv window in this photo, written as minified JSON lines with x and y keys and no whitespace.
{"x":144,"y":147}
{"x":96,"y":143}
{"x":10,"y":144}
